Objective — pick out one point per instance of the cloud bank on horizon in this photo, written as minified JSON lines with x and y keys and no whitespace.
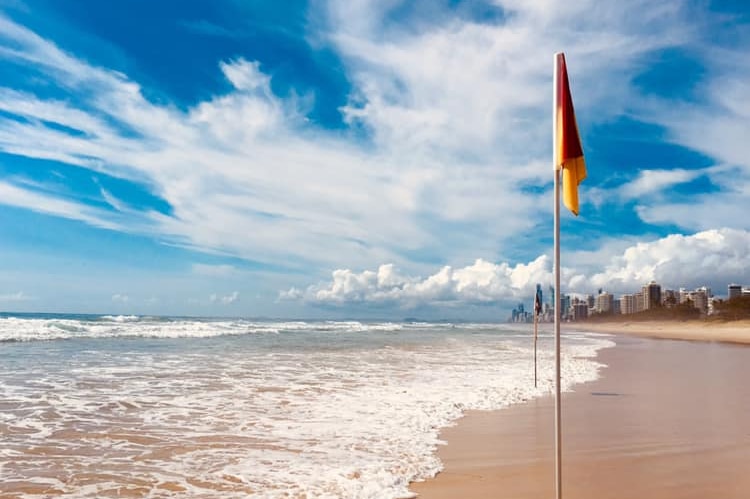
{"x":285,"y":142}
{"x":715,"y":256}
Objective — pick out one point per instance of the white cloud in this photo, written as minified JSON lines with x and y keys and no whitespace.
{"x":482,"y":282}
{"x":463,"y":86}
{"x":457,"y":117}
{"x":40,"y":202}
{"x":656,"y":181}
{"x":720,"y":207}
{"x":120,"y":298}
{"x":245,"y":76}
{"x":225,"y":300}
{"x":15,"y":297}
{"x":714,"y":258}
{"x":658,"y":205}
{"x":717,"y":125}
{"x":713,"y":121}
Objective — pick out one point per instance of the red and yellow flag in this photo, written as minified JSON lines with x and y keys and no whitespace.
{"x":569,"y":153}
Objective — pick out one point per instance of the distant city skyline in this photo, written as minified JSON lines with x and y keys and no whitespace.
{"x":651,"y":294}
{"x":336,"y":159}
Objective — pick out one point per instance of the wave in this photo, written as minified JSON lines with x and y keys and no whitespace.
{"x":22,"y":329}
{"x":121,"y":318}
{"x":280,"y":421}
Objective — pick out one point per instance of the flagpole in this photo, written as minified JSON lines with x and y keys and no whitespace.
{"x":536,"y":322}
{"x":558,"y":436}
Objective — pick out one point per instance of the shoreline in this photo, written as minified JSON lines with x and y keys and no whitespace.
{"x":664,"y":419}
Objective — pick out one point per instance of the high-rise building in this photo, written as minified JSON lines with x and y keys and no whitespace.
{"x":700,"y":299}
{"x":627,"y":304}
{"x":564,"y":306}
{"x":519,"y":314}
{"x":604,"y":303}
{"x":580,"y":310}
{"x":638,"y":302}
{"x":651,"y":295}
{"x":735,"y":290}
{"x":669,"y":298}
{"x":590,"y":301}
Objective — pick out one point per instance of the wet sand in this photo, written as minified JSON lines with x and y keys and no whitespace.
{"x":667,"y":419}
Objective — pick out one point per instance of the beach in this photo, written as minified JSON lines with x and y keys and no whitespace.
{"x":697,"y":330}
{"x":113,"y":406}
{"x":666,"y":419}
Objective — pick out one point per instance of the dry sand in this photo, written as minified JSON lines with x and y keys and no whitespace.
{"x":734,"y":331}
{"x":668,"y":419}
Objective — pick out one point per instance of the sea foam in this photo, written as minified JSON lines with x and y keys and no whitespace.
{"x":187,"y":408}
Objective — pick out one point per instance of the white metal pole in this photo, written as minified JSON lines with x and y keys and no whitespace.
{"x":536,"y":324}
{"x":558,"y":428}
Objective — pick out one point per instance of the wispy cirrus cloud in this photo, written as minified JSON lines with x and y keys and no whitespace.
{"x":449,"y":127}
{"x":44,"y":203}
{"x":203,"y":27}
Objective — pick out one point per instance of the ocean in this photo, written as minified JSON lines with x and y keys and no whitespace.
{"x":127,"y":406}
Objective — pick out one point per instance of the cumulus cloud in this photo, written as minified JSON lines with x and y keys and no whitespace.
{"x":481,"y":282}
{"x":713,"y":258}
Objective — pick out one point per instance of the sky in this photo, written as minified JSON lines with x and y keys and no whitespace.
{"x":364,"y":159}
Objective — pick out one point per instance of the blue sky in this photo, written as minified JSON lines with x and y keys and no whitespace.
{"x":363,"y":159}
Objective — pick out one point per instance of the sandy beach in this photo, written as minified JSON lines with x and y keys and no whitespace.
{"x":732,"y":332}
{"x":667,"y":419}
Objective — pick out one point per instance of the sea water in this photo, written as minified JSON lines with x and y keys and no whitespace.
{"x":157,"y":407}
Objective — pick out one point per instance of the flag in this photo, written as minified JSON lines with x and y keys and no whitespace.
{"x":569,"y":153}
{"x":538,"y":301}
